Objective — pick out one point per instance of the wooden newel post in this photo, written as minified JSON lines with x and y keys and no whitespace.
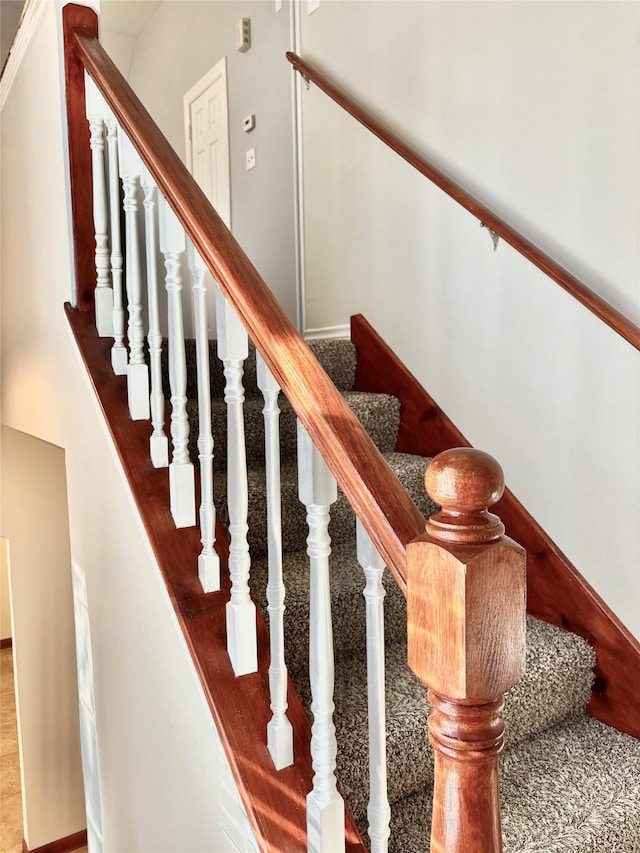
{"x":84,"y":20}
{"x":466,"y":623}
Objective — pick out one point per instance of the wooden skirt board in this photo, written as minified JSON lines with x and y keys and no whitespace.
{"x":556,"y":591}
{"x":239,"y":706}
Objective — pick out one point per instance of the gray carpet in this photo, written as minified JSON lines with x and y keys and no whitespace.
{"x":574,"y":788}
{"x":568,"y":783}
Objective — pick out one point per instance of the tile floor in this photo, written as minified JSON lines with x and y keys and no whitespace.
{"x":10,"y":797}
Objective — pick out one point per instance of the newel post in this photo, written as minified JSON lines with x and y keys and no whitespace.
{"x":79,"y":19}
{"x":466,"y":623}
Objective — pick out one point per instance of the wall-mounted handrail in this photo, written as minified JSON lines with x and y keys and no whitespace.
{"x":594,"y":303}
{"x":361,"y":471}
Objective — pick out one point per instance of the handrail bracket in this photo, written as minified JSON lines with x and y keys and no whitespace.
{"x":495,"y":237}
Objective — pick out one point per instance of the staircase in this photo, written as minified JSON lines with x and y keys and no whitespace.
{"x":568,"y":783}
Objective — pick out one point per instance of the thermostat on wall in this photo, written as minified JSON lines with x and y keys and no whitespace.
{"x":248,"y":123}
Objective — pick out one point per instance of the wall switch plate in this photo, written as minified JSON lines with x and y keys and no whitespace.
{"x":243,"y":35}
{"x":251,"y":158}
{"x":278,"y":5}
{"x":248,"y":123}
{"x":312,"y":6}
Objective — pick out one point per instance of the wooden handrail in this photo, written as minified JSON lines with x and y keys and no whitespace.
{"x":594,"y":303}
{"x":357,"y":464}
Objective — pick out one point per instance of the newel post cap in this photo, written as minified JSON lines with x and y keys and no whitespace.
{"x":464,"y":482}
{"x":466,"y":592}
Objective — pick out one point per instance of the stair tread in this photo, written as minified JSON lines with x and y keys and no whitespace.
{"x":584,"y":774}
{"x":347,"y":604}
{"x":558,"y":675}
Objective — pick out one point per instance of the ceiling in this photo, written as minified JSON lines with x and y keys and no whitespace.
{"x":127,"y":17}
{"x":10,"y":12}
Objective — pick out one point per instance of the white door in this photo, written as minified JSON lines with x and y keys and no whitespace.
{"x":207,"y":146}
{"x":207,"y":137}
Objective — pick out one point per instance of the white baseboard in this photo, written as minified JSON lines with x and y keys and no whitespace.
{"x":333,"y":332}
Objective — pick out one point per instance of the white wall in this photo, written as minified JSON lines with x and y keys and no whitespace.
{"x":165,"y":784}
{"x":535,"y":107}
{"x":34,"y":520}
{"x":177,"y":46}
{"x":164,"y":778}
{"x":5,"y":609}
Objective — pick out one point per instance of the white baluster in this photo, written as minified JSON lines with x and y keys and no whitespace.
{"x":378,"y":810}
{"x":233,"y":349}
{"x":325,"y":807}
{"x":96,"y":110}
{"x":181,"y":475}
{"x":279,"y":730}
{"x":137,"y":371}
{"x":208,"y":560}
{"x":118,"y":350}
{"x":158,"y":442}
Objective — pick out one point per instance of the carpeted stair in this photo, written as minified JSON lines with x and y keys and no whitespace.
{"x":569,"y":784}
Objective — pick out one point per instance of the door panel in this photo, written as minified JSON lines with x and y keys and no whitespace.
{"x":207,"y":145}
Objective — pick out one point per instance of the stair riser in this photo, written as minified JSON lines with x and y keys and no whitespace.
{"x":379,"y":416}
